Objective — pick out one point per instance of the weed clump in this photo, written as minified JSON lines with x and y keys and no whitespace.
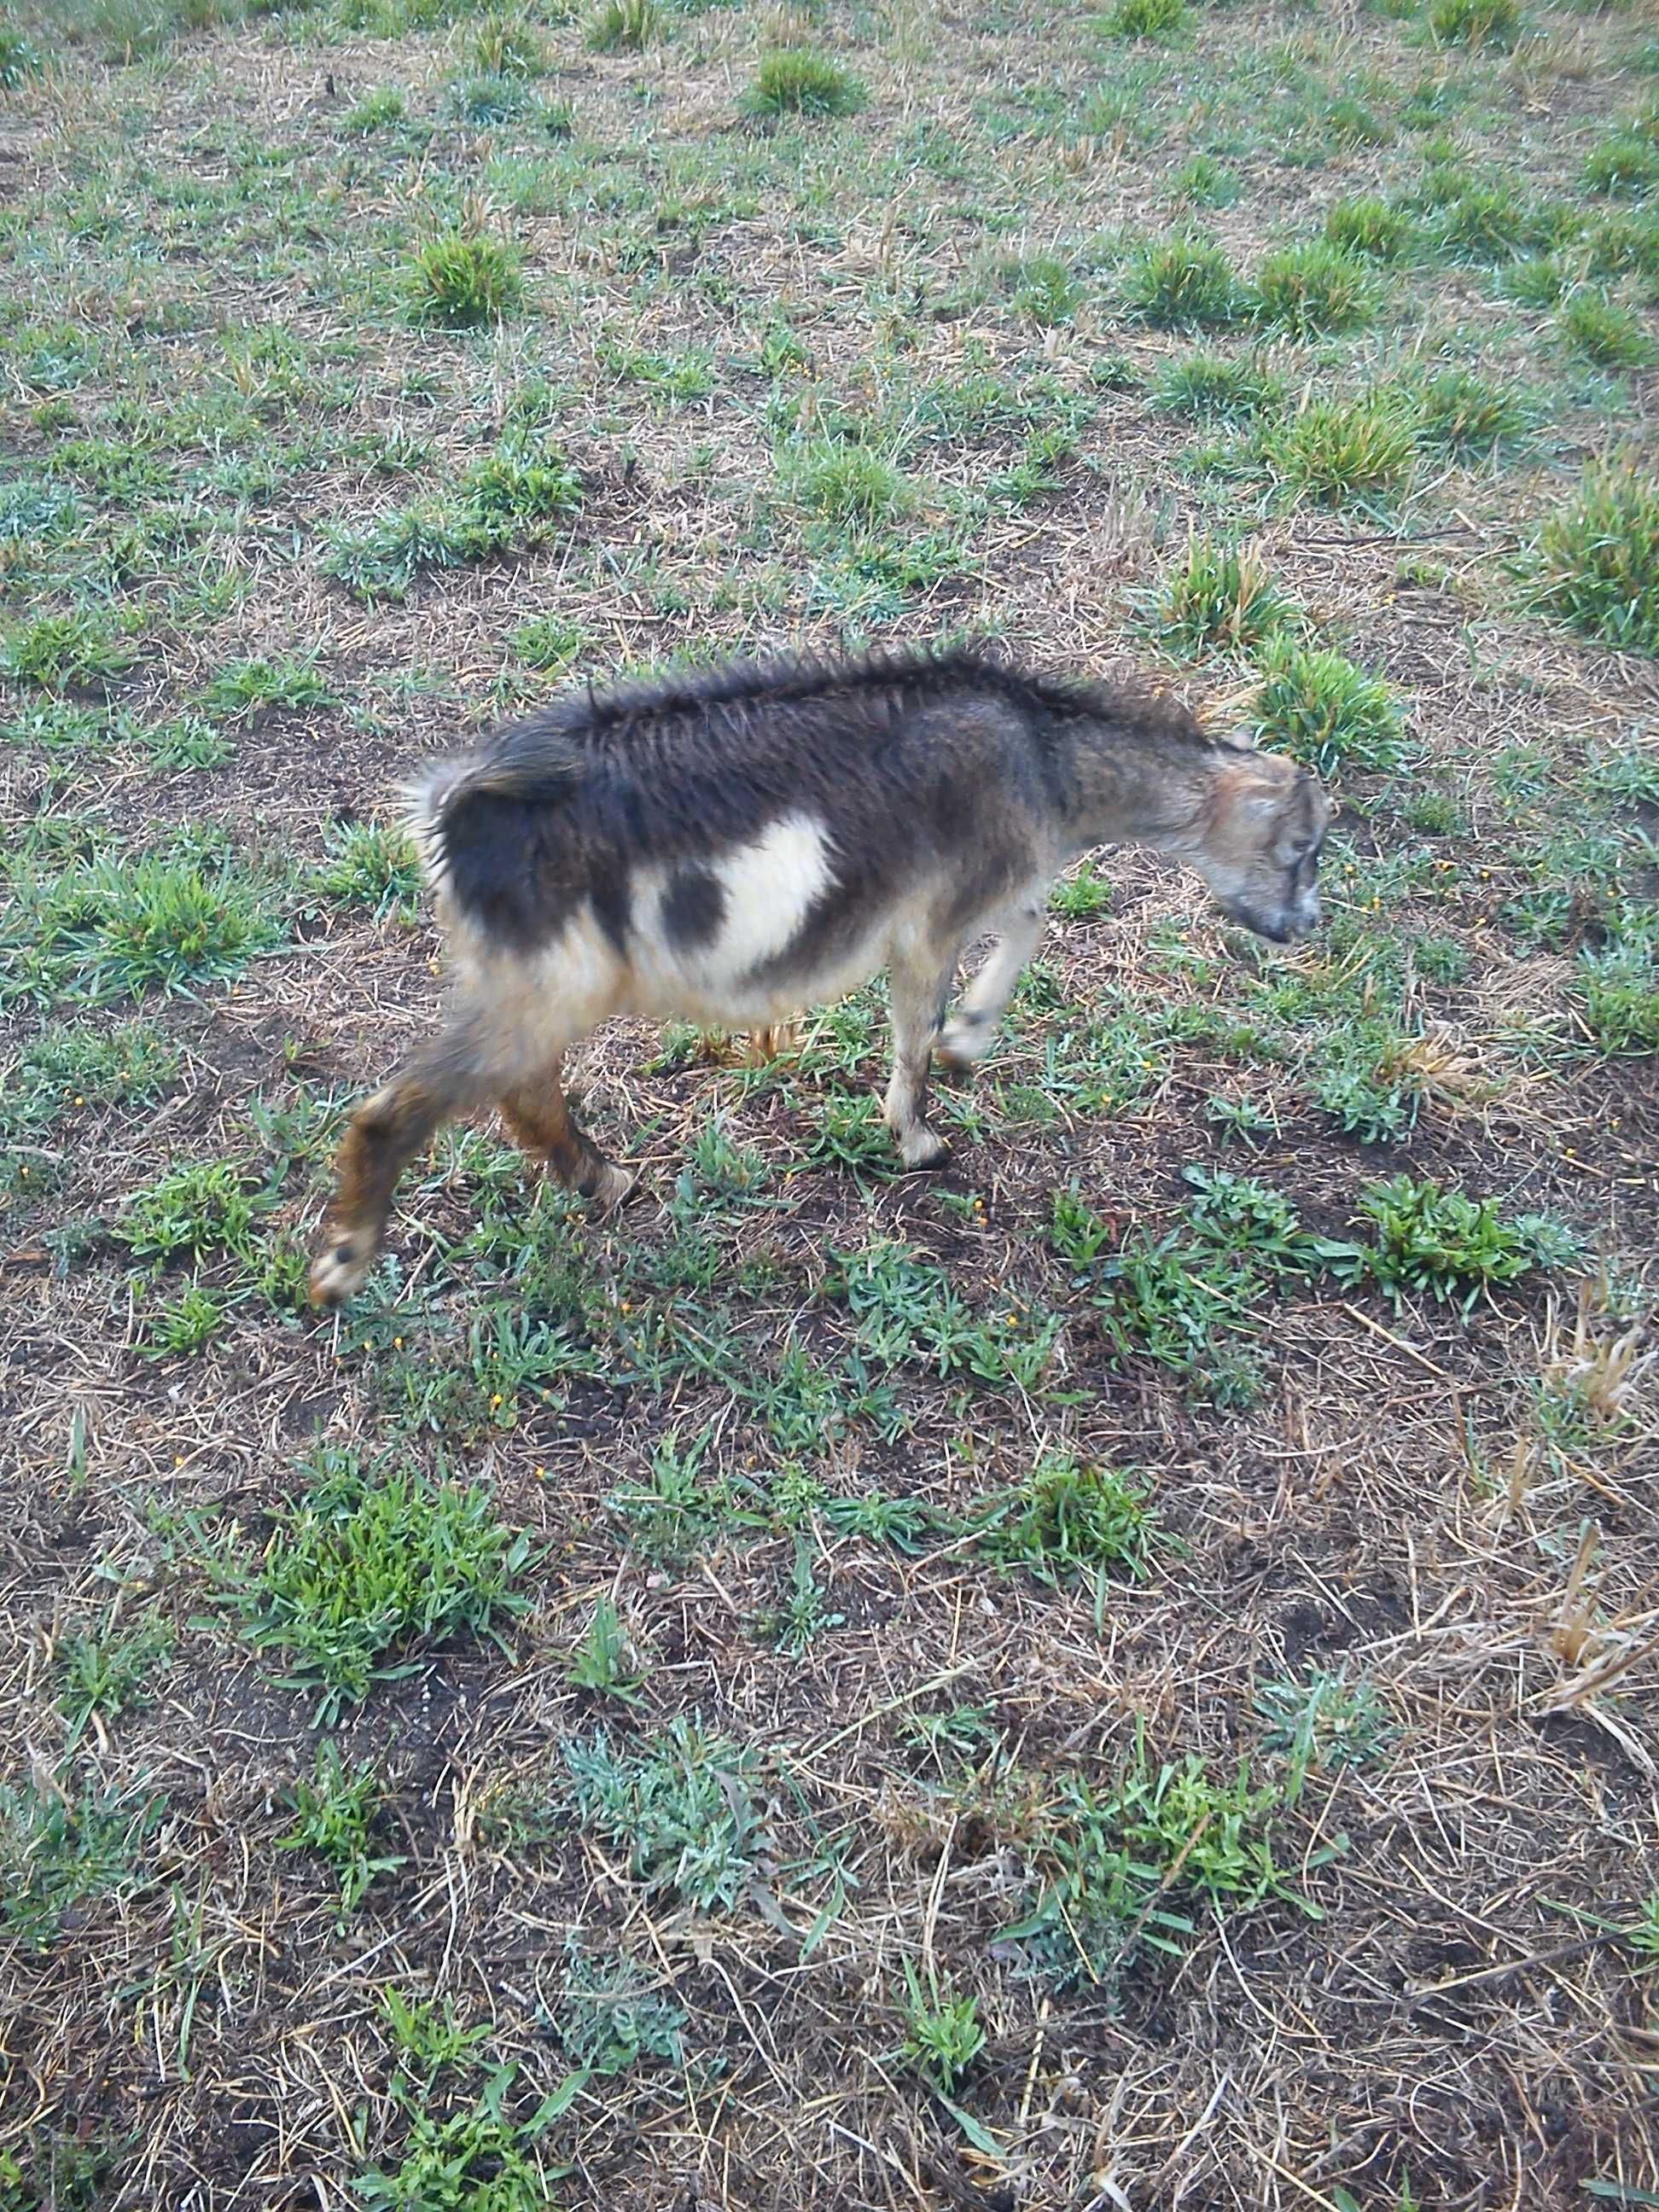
{"x":365,"y":1562}
{"x":1304,"y":290}
{"x":1183,"y":282}
{"x":1598,"y":559}
{"x":1326,"y":712}
{"x":1070,"y":1520}
{"x":336,"y":1809}
{"x":680,"y":1806}
{"x":1446,"y":1245}
{"x":460,"y":282}
{"x":1603,"y":332}
{"x":1213,"y":387}
{"x":1218,"y":599}
{"x":1463,"y":415}
{"x":1475,"y":23}
{"x":1335,"y":451}
{"x":59,"y":1851}
{"x":1369,"y":226}
{"x":1158,"y":20}
{"x":796,"y":80}
{"x":623,"y":27}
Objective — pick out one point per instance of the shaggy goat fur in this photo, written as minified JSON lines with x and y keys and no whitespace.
{"x":727,"y":848}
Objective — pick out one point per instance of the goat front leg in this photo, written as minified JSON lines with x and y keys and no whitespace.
{"x":919,"y":990}
{"x":385,"y":1134}
{"x":539,"y":1115}
{"x":971,"y":1031}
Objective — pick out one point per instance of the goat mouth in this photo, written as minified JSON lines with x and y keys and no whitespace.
{"x":1276,"y":932}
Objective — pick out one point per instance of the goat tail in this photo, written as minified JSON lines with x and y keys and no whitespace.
{"x":528,"y":766}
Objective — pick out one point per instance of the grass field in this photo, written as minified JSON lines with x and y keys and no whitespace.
{"x":1122,"y":1674}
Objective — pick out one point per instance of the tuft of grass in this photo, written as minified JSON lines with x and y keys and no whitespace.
{"x":1157,"y":20}
{"x":1464,"y":415}
{"x":1474,"y":23}
{"x":194,"y":1211}
{"x":336,"y":1810}
{"x":548,"y":642}
{"x":1624,"y":166}
{"x":679,"y":1806}
{"x":1213,"y":387}
{"x":1182,"y":283}
{"x":371,"y":864}
{"x":150,"y":923}
{"x":1218,"y":599}
{"x":1370,"y":228}
{"x":107,"y":1675}
{"x":1045,"y":291}
{"x":943,"y":2035}
{"x":1338,"y":450}
{"x":1328,"y":713}
{"x":1203,"y":182}
{"x":1618,"y":990}
{"x":507,"y":47}
{"x":375,"y":110}
{"x":79,"y":652}
{"x":60,"y":1851}
{"x":1601,"y":330}
{"x":612,"y":2016}
{"x":623,"y":27}
{"x":253,"y":687}
{"x":1598,"y":559}
{"x":1445,"y":1244}
{"x":845,"y":484}
{"x":366,"y":1561}
{"x":460,"y":282}
{"x":1304,"y":290}
{"x":1070,"y":1519}
{"x":1322,"y":1724}
{"x":19,"y":58}
{"x":799,"y":81}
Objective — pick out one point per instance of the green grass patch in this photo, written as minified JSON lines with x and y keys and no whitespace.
{"x":460,"y":281}
{"x":1474,"y":23}
{"x":680,"y":1806}
{"x":1600,"y":328}
{"x":1342,"y":452}
{"x":365,"y":1562}
{"x":1071,"y":1521}
{"x":1597,"y":559}
{"x":797,"y":80}
{"x":62,"y":1848}
{"x":1182,"y":283}
{"x":1218,"y":599}
{"x":1160,"y":20}
{"x":1213,"y":387}
{"x":1428,"y":1241}
{"x":1370,"y":228}
{"x":1309,"y":289}
{"x":1329,"y":715}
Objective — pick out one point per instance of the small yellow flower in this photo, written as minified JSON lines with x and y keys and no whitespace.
{"x":495,"y":1402}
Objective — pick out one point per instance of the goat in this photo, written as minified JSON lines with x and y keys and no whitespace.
{"x":726,"y":846}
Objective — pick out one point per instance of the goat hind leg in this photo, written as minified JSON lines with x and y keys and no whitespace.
{"x":385,"y":1134}
{"x":539,"y":1116}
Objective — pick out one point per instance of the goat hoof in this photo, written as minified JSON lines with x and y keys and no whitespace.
{"x":338,"y":1271}
{"x":921,"y":1148}
{"x":610,"y":1186}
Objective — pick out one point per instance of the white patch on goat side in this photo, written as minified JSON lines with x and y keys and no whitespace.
{"x":770,"y":888}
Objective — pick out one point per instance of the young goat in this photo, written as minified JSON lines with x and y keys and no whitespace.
{"x":725,"y":848}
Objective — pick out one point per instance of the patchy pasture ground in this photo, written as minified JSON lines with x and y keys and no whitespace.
{"x":1119,"y":1675}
